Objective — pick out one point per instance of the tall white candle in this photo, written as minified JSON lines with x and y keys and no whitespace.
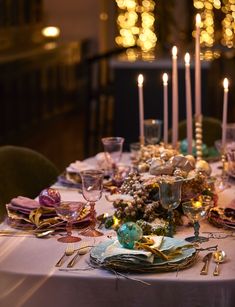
{"x":141,"y":108}
{"x":188,"y":103}
{"x":165,"y":107}
{"x":197,"y":68}
{"x":175,"y":116}
{"x":225,"y":112}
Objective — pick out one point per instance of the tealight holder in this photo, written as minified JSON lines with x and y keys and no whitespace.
{"x":196,"y":210}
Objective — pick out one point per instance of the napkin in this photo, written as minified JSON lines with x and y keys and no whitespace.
{"x":79,"y":166}
{"x":116,"y":250}
{"x":23,"y":204}
{"x":102,"y":161}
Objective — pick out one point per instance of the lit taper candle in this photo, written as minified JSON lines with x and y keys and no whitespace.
{"x":165,"y":107}
{"x":188,"y":103}
{"x":175,"y":116}
{"x":141,"y":108}
{"x":225,"y":112}
{"x":197,"y":68}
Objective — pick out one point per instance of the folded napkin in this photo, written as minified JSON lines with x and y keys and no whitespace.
{"x":116,"y":250}
{"x":23,"y":204}
{"x":68,"y":181}
{"x":79,"y":166}
{"x":102,"y":161}
{"x":26,"y":213}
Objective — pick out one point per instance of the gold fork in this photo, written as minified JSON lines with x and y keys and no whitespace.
{"x":69,"y":251}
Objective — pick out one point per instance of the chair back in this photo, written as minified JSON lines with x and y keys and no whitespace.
{"x":23,"y":172}
{"x":211,"y":130}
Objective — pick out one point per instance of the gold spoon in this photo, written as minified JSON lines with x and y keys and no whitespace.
{"x":218,"y":257}
{"x":84,"y":249}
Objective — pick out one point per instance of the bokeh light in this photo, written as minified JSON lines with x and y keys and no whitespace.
{"x":136,"y":24}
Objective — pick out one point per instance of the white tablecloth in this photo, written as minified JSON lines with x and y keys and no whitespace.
{"x":28,"y":277}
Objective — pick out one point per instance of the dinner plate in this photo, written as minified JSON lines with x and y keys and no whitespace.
{"x":127,"y":256}
{"x":222,"y":217}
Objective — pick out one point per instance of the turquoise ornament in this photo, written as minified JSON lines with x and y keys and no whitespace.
{"x":128,"y":234}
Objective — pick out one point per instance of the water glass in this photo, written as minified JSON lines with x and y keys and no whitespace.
{"x":170,"y":198}
{"x":152,"y":131}
{"x":135,"y":150}
{"x":113,"y":150}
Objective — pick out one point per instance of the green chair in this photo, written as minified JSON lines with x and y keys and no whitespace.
{"x":23,"y":172}
{"x":211,"y":130}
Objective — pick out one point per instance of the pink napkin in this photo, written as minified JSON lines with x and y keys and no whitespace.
{"x":23,"y":204}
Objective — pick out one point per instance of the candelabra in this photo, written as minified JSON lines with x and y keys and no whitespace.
{"x":198,"y":136}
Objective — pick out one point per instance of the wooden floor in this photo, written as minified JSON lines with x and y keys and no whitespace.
{"x":60,"y":139}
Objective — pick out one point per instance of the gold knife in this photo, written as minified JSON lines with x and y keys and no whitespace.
{"x":206,"y":259}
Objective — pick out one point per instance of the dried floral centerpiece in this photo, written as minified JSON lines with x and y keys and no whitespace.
{"x":142,"y":187}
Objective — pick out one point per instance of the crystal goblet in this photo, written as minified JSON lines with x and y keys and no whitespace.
{"x":170,"y":198}
{"x":152,"y":131}
{"x":69,"y":211}
{"x":92,"y":187}
{"x":196,"y":211}
{"x":113,"y":151}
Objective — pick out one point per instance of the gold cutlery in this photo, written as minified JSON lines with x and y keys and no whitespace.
{"x":69,"y":251}
{"x":218,"y":257}
{"x":29,"y":233}
{"x":84,"y":249}
{"x":206,"y":259}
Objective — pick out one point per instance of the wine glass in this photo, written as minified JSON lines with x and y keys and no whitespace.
{"x":196,"y":210}
{"x":113,"y":151}
{"x":170,"y":198}
{"x":92,"y":187}
{"x":69,"y":211}
{"x":222,"y":179}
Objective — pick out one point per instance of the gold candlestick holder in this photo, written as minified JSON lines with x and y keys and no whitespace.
{"x":198,"y":136}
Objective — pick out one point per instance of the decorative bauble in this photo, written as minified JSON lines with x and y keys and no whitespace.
{"x":164,"y":169}
{"x":203,"y":166}
{"x":191,"y":159}
{"x":128,"y":234}
{"x":49,"y":197}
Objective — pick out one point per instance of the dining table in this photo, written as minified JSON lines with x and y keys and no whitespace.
{"x":29,"y":277}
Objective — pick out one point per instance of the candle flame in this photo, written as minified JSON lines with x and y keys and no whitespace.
{"x":187,"y":58}
{"x":198,"y":20}
{"x":197,"y":204}
{"x":165,"y":78}
{"x":140,"y":80}
{"x":174,"y":52}
{"x":225,"y":83}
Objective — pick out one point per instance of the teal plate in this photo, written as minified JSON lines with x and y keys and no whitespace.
{"x":126,"y":256}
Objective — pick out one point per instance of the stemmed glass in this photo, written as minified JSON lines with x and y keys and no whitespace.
{"x":222,"y":180}
{"x":195,"y":211}
{"x":170,"y":198}
{"x":69,"y":211}
{"x":152,"y":131}
{"x":113,"y":153}
{"x":92,"y":187}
